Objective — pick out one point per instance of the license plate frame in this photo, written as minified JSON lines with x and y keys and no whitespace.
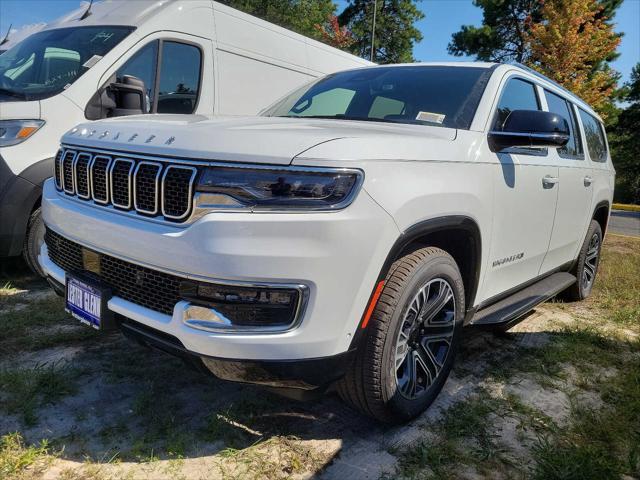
{"x":86,"y":300}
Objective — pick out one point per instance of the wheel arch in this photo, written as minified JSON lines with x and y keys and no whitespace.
{"x":601,"y":214}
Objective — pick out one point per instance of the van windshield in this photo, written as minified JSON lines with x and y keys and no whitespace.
{"x":46,"y":63}
{"x":443,"y":96}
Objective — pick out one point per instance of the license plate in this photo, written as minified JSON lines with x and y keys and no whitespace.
{"x":86,"y":301}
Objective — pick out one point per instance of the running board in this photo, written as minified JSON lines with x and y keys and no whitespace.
{"x":506,"y":312}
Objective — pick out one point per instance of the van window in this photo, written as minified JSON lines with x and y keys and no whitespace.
{"x":517,"y":95}
{"x":594,"y":134}
{"x":560,"y":106}
{"x":143,"y":65}
{"x":179,"y":78}
{"x":48,"y":62}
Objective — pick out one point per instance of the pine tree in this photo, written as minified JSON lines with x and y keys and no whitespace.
{"x":395,"y":30}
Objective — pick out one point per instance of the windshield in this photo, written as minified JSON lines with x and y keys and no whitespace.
{"x":46,"y":63}
{"x":424,"y":95}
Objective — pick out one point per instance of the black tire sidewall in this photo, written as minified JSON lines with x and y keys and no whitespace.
{"x":594,"y":228}
{"x":31,"y":251}
{"x":437,"y":267}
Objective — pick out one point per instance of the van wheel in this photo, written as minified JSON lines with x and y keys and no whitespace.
{"x":587,"y":266}
{"x":410,"y":343}
{"x":33,"y":241}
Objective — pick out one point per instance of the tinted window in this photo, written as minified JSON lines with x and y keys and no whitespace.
{"x":559,"y":105}
{"x":517,"y":95}
{"x":179,"y":78}
{"x":594,"y":134}
{"x":423,"y":95}
{"x":143,"y":66}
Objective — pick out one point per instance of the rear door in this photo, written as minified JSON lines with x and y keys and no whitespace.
{"x":525,"y":194}
{"x":575,"y":189}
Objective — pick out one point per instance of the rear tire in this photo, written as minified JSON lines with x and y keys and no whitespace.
{"x":587,"y":265}
{"x":33,"y":242}
{"x":410,"y":343}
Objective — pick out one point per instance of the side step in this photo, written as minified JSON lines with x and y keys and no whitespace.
{"x":506,"y":312}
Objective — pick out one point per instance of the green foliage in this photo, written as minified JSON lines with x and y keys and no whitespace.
{"x":625,"y":143}
{"x":395,"y":32}
{"x":301,"y":16}
{"x":501,"y":37}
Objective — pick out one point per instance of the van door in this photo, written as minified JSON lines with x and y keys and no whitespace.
{"x":574,"y":193}
{"x":525,"y":195}
{"x":177,"y":72}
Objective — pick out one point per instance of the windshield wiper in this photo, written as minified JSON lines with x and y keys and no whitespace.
{"x":11,"y":93}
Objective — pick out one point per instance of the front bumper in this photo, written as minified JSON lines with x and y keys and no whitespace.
{"x":338,"y":255}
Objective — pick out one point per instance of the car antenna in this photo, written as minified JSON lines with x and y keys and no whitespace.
{"x":87,"y":12}
{"x":6,"y":37}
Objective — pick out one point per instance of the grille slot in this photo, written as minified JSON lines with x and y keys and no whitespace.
{"x":121,"y":183}
{"x":81,"y":175}
{"x":158,"y":189}
{"x":143,"y":286}
{"x":99,"y":174}
{"x":67,"y":171}
{"x":146,"y":182}
{"x":177,"y":184}
{"x":58,"y":169}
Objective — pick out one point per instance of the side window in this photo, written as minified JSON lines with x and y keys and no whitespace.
{"x":383,"y":107}
{"x":517,"y":95}
{"x":143,"y":66}
{"x":594,"y":134}
{"x":559,"y":105}
{"x":179,"y":78}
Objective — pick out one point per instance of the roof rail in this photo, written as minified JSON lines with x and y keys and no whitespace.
{"x":544,"y":77}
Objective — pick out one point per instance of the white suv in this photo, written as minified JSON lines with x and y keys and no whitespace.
{"x":344,"y":237}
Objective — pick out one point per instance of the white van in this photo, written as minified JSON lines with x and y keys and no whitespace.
{"x":123,"y":57}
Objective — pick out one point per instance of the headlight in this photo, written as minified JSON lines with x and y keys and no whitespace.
{"x":269,"y":188}
{"x":13,"y":132}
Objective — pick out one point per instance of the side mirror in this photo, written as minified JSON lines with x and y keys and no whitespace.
{"x":530,"y":128}
{"x":118,"y":99}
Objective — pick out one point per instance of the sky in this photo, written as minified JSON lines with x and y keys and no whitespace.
{"x":442,"y":18}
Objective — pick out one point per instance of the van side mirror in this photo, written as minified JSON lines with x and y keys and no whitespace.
{"x":118,"y":99}
{"x":530,"y":128}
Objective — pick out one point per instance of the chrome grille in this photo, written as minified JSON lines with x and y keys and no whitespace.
{"x":152,"y":188}
{"x":81,"y":175}
{"x":67,"y":171}
{"x":58,"y":169}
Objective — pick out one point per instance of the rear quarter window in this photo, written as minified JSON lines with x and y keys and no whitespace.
{"x":594,"y":134}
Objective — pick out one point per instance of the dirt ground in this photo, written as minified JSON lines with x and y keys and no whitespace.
{"x":531,"y":403}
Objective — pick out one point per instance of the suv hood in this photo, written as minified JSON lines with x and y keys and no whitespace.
{"x":238,"y":139}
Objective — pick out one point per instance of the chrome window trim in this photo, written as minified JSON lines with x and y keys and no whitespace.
{"x":73,"y":160}
{"x":75,"y":174}
{"x":111,"y":169}
{"x":157,"y":182}
{"x":194,"y":172}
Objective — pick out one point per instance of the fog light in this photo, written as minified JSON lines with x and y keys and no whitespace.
{"x":230,"y":307}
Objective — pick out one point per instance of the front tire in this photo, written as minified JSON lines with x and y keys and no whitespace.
{"x":587,"y":265}
{"x":410,"y":343}
{"x":33,"y":241}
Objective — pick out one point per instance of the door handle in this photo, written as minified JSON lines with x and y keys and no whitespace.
{"x":548,"y":181}
{"x":588,"y":181}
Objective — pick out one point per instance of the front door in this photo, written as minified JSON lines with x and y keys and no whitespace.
{"x":525,"y":195}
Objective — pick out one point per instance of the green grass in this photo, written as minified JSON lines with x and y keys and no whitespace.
{"x":42,"y":324}
{"x":24,"y":390}
{"x":16,"y":457}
